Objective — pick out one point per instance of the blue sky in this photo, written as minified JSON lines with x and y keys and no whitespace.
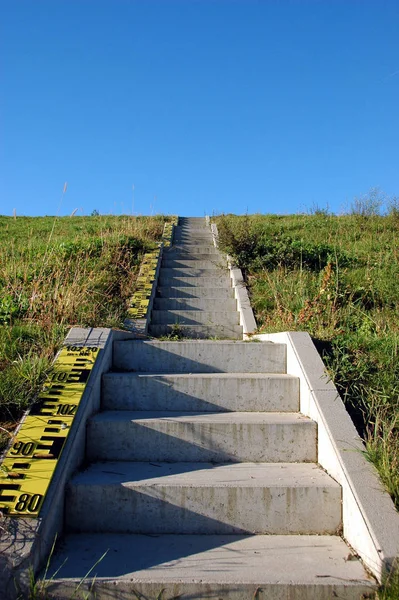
{"x":204,"y":106}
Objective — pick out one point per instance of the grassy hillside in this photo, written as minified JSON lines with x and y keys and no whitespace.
{"x":55,"y":273}
{"x":336,"y":277}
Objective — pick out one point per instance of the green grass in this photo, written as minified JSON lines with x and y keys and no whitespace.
{"x":336,"y":277}
{"x":56,"y":273}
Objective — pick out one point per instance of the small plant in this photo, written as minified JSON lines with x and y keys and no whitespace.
{"x":368,"y":205}
{"x":177,"y":332}
{"x":389,"y":589}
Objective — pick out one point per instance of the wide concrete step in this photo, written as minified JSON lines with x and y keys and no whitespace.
{"x":202,"y":357}
{"x":194,"y":567}
{"x":213,"y":258}
{"x":199,"y":225}
{"x":214,"y":281}
{"x":182,"y":249}
{"x":171,"y":291}
{"x":200,"y":332}
{"x":194,"y":304}
{"x":189,"y":239}
{"x":194,"y":272}
{"x":205,"y":392}
{"x":192,"y":498}
{"x":193,"y":264}
{"x":195,"y":317}
{"x":205,"y":437}
{"x":193,"y":233}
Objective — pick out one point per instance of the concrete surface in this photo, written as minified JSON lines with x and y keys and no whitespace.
{"x":200,"y":392}
{"x":192,"y":567}
{"x":196,"y":317}
{"x":203,"y":356}
{"x":186,"y":263}
{"x":189,"y":498}
{"x":221,"y":280}
{"x":221,"y":332}
{"x":206,"y":304}
{"x":207,"y":437}
{"x":197,"y":292}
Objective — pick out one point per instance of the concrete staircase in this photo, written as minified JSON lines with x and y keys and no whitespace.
{"x":202,"y":478}
{"x":194,"y":295}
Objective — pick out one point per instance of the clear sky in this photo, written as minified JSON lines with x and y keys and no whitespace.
{"x":204,"y":106}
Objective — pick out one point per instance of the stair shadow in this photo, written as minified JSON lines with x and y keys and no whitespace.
{"x":168,"y":281}
{"x":158,"y":509}
{"x":176,"y":400}
{"x":174,"y":319}
{"x":187,"y":291}
{"x":161,"y":552}
{"x":194,"y":272}
{"x":174,"y":363}
{"x":143,"y":443}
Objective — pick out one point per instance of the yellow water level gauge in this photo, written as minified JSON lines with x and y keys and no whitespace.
{"x":30,"y":462}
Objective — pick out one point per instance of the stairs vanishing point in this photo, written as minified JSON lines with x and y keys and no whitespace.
{"x":202,"y":478}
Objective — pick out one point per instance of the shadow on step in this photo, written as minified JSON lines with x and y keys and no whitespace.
{"x":129,"y":555}
{"x":168,"y":437}
{"x":157,"y":509}
{"x":209,"y":392}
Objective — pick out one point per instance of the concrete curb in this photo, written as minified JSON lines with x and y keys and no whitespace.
{"x":370,"y":520}
{"x":25,"y":543}
{"x":247,"y":319}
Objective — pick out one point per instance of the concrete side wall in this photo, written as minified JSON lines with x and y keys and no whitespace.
{"x":247,"y":319}
{"x":370,"y":521}
{"x":26,"y":543}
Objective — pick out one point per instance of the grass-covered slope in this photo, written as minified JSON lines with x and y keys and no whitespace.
{"x":56,"y":273}
{"x":336,"y":277}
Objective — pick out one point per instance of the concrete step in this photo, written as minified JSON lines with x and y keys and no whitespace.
{"x":170,"y":291}
{"x":190,"y":239}
{"x":200,"y":332}
{"x":196,"y":225}
{"x":205,"y":437}
{"x":192,"y":249}
{"x":195,"y":317}
{"x":193,"y":498}
{"x":213,"y":258}
{"x":194,"y":304}
{"x":205,"y":392}
{"x":194,"y":271}
{"x":194,"y":263}
{"x":192,"y":232}
{"x":222,"y":280}
{"x":194,"y":567}
{"x":203,"y":356}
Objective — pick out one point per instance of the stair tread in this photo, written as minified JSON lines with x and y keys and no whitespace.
{"x":203,"y":417}
{"x":226,"y":559}
{"x":225,"y":331}
{"x":200,"y":474}
{"x":203,"y":375}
